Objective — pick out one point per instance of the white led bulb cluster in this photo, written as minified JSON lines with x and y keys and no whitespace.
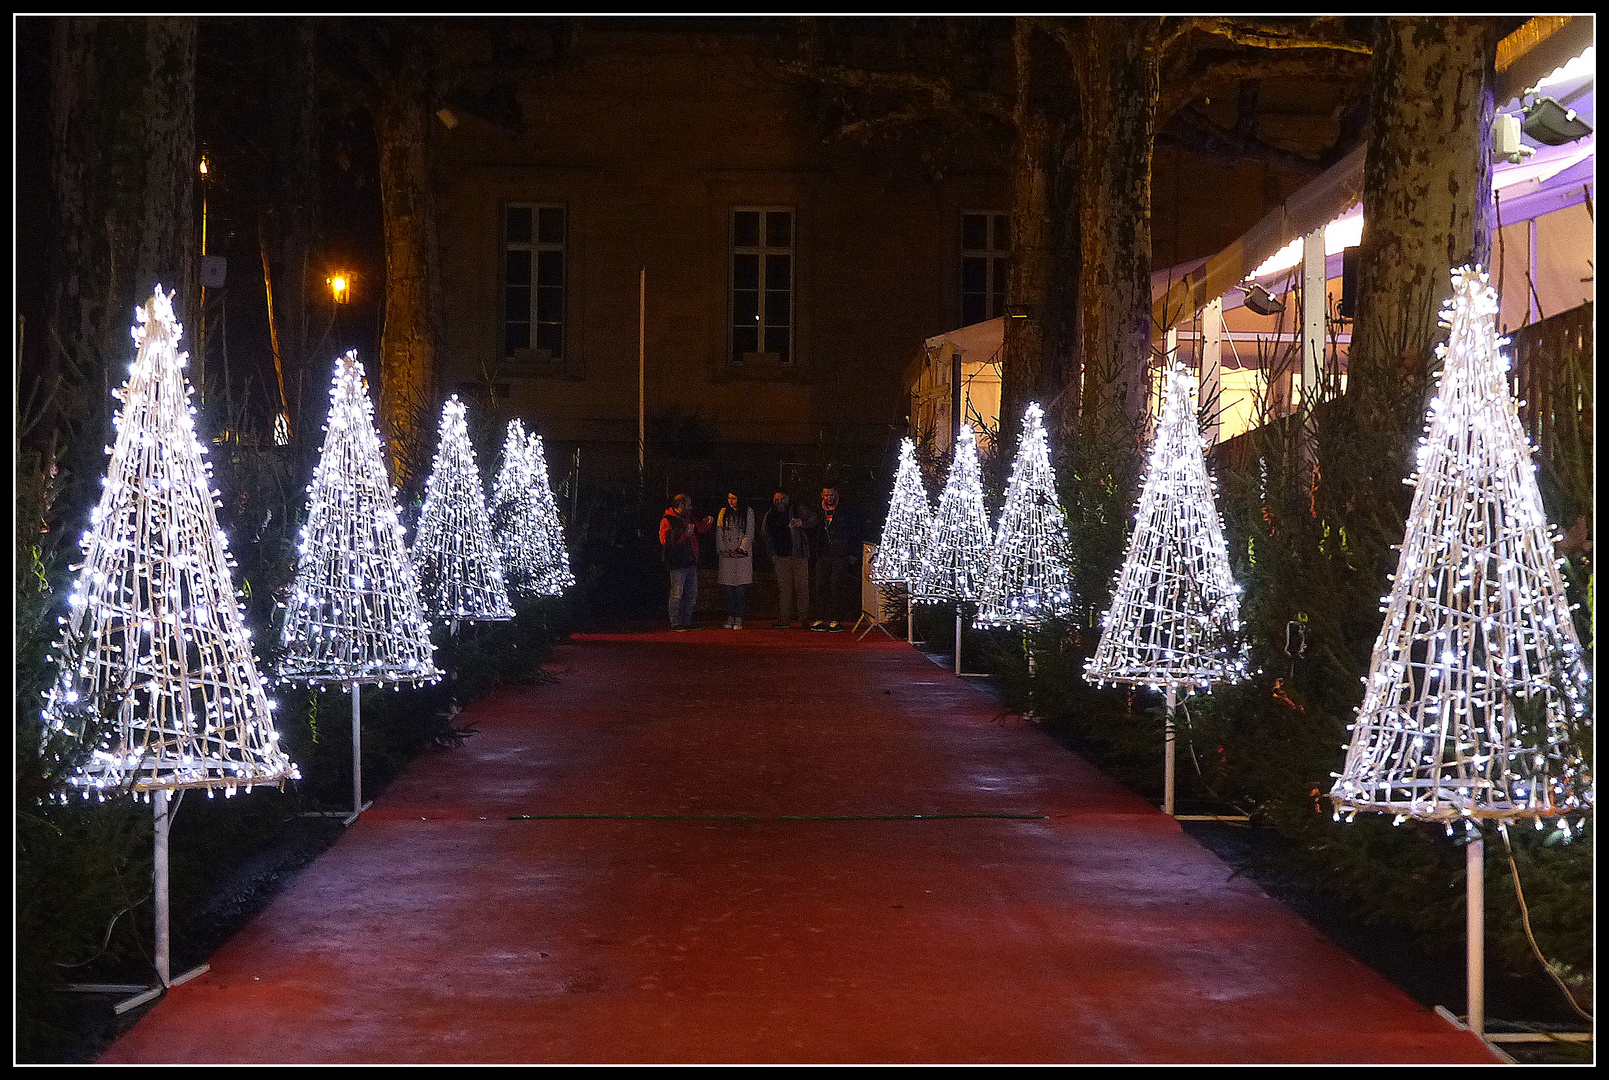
{"x":1174,"y":619}
{"x":1477,"y":692}
{"x":354,"y":614}
{"x":155,"y":663}
{"x":957,"y":554}
{"x":1030,"y":566}
{"x":910,"y":520}
{"x":529,"y":534}
{"x":460,"y":572}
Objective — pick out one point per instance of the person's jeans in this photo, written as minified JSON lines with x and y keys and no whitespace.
{"x":793,"y":588}
{"x":683,"y":596}
{"x":736,"y":596}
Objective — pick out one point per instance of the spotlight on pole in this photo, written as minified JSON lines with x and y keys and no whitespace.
{"x":1259,"y":300}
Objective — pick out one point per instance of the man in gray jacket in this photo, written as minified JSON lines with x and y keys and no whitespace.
{"x":785,"y":535}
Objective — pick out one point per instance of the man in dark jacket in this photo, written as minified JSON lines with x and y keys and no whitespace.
{"x":678,"y":535}
{"x":785,"y":535}
{"x":837,"y":554}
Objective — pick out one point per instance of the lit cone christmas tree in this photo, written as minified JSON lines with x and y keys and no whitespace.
{"x":156,"y":638}
{"x":957,"y":554}
{"x":1030,"y":573}
{"x":157,"y":682}
{"x":1477,"y":624}
{"x":514,"y":524}
{"x":910,"y":519}
{"x":354,"y":615}
{"x":530,"y":536}
{"x":460,"y":573}
{"x":905,"y":532}
{"x":1174,"y":620}
{"x":1475,"y":705}
{"x":552,"y":556}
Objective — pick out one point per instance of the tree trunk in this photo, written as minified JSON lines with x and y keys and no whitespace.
{"x":123,"y":166}
{"x":299,"y":285}
{"x":408,"y":340}
{"x":1117,"y":113}
{"x":1037,"y":356}
{"x":1426,"y":210}
{"x":1427,"y":190}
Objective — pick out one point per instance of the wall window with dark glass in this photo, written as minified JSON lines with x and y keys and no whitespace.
{"x":533,"y":283}
{"x":762,"y":284}
{"x":985,"y":265}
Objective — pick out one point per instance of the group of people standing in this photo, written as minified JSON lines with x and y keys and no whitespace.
{"x":816,"y":553}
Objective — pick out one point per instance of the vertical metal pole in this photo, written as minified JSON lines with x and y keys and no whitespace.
{"x":958,"y":637}
{"x":164,"y":824}
{"x":1212,"y":325}
{"x":642,"y":380}
{"x":1475,"y":931}
{"x":910,"y":616}
{"x":1167,"y":764}
{"x":1315,"y":300}
{"x":357,"y":754}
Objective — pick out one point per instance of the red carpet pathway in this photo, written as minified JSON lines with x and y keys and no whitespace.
{"x":773,"y":846}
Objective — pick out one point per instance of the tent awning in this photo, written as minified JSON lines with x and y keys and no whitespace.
{"x":1526,"y":57}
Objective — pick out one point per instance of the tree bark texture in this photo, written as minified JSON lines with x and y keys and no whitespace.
{"x":1039,"y":364}
{"x":1117,"y":115}
{"x":294,"y":225}
{"x":1427,"y":192}
{"x":408,"y":340}
{"x":123,"y":166}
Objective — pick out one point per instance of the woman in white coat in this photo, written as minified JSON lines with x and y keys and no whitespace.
{"x":734,"y":548}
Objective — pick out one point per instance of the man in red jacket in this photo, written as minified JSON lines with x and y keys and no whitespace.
{"x":678,"y":536}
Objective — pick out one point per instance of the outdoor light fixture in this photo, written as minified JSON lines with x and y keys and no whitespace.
{"x":1548,"y":122}
{"x":1259,"y":300}
{"x":340,"y":284}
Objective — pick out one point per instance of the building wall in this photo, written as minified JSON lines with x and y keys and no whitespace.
{"x":648,"y":181}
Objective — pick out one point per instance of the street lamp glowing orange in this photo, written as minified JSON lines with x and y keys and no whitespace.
{"x":341,"y":286}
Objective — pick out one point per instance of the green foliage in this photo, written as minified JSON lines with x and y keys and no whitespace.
{"x":1313,"y":509}
{"x":84,"y":868}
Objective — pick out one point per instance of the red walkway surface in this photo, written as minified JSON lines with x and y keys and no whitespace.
{"x":744,"y":878}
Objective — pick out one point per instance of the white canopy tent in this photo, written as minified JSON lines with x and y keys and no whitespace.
{"x":1542,"y":254}
{"x":976,"y":350}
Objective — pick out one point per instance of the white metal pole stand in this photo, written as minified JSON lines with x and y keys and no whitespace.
{"x":164,"y":810}
{"x":1475,"y":933}
{"x":1168,"y":759}
{"x":959,"y":673}
{"x":358,"y":805}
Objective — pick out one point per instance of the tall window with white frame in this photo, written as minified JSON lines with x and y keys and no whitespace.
{"x":762,"y":284}
{"x":534,"y":283}
{"x":985,"y":265}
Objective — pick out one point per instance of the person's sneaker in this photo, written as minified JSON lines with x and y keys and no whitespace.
{"x":737,"y":624}
{"x":727,"y":625}
{"x":819,"y":625}
{"x":834,"y":627}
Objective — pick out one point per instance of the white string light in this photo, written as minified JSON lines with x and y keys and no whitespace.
{"x":354,"y":613}
{"x":910,"y":519}
{"x":956,"y":557}
{"x":155,"y":638}
{"x":552,"y":556}
{"x":1175,"y":613}
{"x":1030,"y":576}
{"x":1476,"y":698}
{"x":460,"y":574}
